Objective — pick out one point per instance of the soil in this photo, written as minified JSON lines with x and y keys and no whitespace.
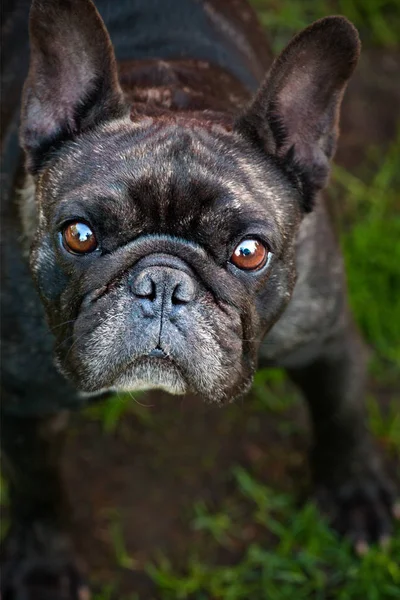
{"x":146,"y":476}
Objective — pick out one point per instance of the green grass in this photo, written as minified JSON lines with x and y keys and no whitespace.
{"x":110,"y":411}
{"x":261,"y":543}
{"x":304,"y":560}
{"x":371,"y":246}
{"x":385,"y":426}
{"x":377,"y":20}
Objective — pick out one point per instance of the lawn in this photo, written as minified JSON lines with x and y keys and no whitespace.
{"x":228,"y":515}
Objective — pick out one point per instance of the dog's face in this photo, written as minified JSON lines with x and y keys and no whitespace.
{"x":164,"y":248}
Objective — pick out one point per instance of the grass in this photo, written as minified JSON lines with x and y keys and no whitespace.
{"x":259,"y":543}
{"x":377,"y":20}
{"x":370,"y":241}
{"x":304,"y":559}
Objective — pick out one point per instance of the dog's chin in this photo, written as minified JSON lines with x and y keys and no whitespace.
{"x":151,"y":374}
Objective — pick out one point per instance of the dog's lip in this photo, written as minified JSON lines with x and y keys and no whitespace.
{"x":163,"y":360}
{"x":144,"y":373}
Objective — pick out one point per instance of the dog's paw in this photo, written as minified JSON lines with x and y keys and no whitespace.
{"x":37,"y":564}
{"x":362,"y":510}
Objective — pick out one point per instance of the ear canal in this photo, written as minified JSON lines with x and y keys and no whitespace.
{"x":72,"y":81}
{"x":294,"y":116}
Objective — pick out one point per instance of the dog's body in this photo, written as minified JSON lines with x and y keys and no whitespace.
{"x":178,"y":181}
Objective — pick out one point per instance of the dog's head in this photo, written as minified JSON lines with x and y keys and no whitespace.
{"x":164,"y":245}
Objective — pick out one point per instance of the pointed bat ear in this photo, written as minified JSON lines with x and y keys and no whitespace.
{"x":72,"y":81}
{"x":295,"y":113}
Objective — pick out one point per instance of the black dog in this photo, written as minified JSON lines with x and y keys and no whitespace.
{"x":171,"y":225}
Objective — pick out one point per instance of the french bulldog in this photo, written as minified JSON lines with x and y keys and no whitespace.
{"x":166,"y":231}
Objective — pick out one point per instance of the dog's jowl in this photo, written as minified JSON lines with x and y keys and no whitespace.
{"x":170,"y":234}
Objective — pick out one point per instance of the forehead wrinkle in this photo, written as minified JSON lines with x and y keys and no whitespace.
{"x":239,"y":194}
{"x":251,"y":177}
{"x":87,"y":191}
{"x":160,"y":144}
{"x":254,"y":169}
{"x":158,"y":147}
{"x":244,"y":174}
{"x":214,"y":142}
{"x":240,"y":191}
{"x":268,"y":195}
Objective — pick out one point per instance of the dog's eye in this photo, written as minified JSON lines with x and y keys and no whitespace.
{"x":79,"y":238}
{"x":250,"y":255}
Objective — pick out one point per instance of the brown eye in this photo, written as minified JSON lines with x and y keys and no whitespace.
{"x":79,"y":238}
{"x":250,"y":255}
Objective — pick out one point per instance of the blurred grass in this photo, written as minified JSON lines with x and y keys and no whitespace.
{"x":371,"y":246}
{"x":305,"y":560}
{"x":377,"y":20}
{"x":259,"y":543}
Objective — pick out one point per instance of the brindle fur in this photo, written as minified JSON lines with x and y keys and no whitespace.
{"x":174,"y":162}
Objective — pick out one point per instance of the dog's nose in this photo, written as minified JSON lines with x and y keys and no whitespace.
{"x":161,"y":289}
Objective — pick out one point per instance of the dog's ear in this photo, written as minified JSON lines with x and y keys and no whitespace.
{"x":295,"y":113}
{"x":72,"y":81}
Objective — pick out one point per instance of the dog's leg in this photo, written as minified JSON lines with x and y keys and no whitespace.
{"x":37,"y":558}
{"x":351,"y":485}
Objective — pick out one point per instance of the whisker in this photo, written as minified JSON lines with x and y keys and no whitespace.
{"x":137,"y":401}
{"x":61,"y":324}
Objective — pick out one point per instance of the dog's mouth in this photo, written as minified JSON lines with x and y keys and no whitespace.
{"x":155,"y":370}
